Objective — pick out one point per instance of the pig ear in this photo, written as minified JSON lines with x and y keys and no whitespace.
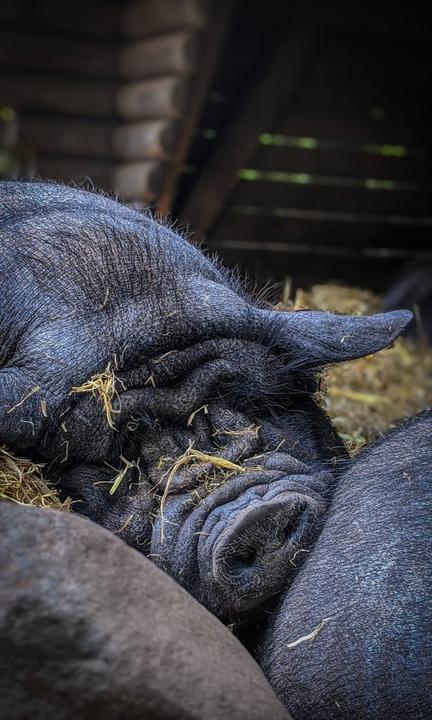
{"x":317,"y":338}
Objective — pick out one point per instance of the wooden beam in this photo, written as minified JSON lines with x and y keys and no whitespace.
{"x":164,"y":97}
{"x":45,"y":133}
{"x":75,"y":97}
{"x":275,"y":264}
{"x":279,"y":78}
{"x":149,"y":139}
{"x":347,"y":161}
{"x":86,"y":57}
{"x":364,"y":196}
{"x":138,"y":181}
{"x":338,"y":229}
{"x":175,"y":54}
{"x":334,"y":119}
{"x":98,"y":18}
{"x":153,"y":17}
{"x":211,"y":45}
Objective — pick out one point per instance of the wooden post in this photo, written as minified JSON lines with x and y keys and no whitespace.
{"x":153,"y":17}
{"x":255,"y":115}
{"x":211,"y":44}
{"x":138,"y":180}
{"x":144,"y":139}
{"x":163,"y":97}
{"x":172,"y":54}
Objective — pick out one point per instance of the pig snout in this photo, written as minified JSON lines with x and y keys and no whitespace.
{"x":253,"y":546}
{"x":271,"y":531}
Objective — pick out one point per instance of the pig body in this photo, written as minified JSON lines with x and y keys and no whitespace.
{"x":190,"y":364}
{"x":352,"y":637}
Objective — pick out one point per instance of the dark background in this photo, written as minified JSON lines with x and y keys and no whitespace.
{"x":292,"y":138}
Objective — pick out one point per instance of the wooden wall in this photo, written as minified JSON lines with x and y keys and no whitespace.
{"x":100,"y":88}
{"x":158,"y":63}
{"x":58,"y":68}
{"x":292,"y":136}
{"x":334,"y":181}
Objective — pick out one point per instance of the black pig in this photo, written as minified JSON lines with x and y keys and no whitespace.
{"x":89,"y":285}
{"x":352,"y":637}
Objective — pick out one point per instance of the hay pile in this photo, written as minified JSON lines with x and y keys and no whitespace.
{"x":367,"y":396}
{"x":22,"y":482}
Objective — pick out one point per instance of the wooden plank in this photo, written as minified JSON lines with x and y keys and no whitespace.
{"x":138,"y":181}
{"x":76,"y":97}
{"x":164,"y":97}
{"x":300,"y":153}
{"x":373,"y":78}
{"x":55,"y":54}
{"x":350,"y":65}
{"x":278,"y":78}
{"x":210,"y":50}
{"x":317,"y":196}
{"x":67,"y":169}
{"x":350,"y":60}
{"x":345,"y":161}
{"x":396,"y":125}
{"x":154,"y":17}
{"x":274,"y":266}
{"x":147,"y":139}
{"x":320,"y":229}
{"x":329,"y":118}
{"x":99,"y":18}
{"x":173,"y":54}
{"x":247,"y":45}
{"x":80,"y":137}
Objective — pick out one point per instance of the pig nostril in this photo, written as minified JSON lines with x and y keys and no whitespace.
{"x":261,"y":539}
{"x":288,"y":531}
{"x":293,"y":526}
{"x":247,"y":556}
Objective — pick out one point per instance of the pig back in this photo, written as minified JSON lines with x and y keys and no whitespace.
{"x":352,"y":637}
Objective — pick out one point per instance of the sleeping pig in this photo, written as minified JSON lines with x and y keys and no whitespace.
{"x":177,"y":411}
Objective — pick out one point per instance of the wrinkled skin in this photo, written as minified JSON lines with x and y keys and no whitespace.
{"x":87,"y":282}
{"x":352,"y":637}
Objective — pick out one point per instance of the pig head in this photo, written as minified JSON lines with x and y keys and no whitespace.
{"x":178,"y":411}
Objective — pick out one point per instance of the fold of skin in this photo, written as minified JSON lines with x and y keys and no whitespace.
{"x":235,"y":550}
{"x":229,"y":536}
{"x":233,"y":547}
{"x":89,"y":285}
